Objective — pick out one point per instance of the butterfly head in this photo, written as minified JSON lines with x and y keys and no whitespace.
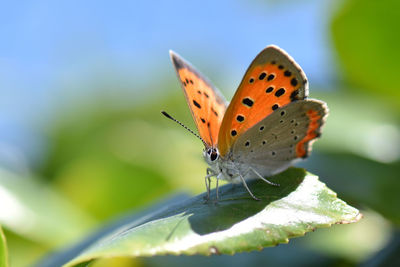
{"x":211,"y":155}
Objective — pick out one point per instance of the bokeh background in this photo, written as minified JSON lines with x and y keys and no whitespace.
{"x":82,"y":140}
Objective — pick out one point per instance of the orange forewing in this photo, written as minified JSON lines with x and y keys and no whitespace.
{"x":205,"y":103}
{"x":273,"y":80}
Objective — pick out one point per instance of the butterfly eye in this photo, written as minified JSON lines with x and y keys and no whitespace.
{"x":214,"y":156}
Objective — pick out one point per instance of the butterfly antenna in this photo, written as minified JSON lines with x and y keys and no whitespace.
{"x":209,"y":132}
{"x":184,"y":126}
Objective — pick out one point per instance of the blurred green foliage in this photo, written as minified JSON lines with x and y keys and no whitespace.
{"x":120,"y":157}
{"x":38,"y":212}
{"x":3,"y":249}
{"x":103,"y":160}
{"x":19,"y":244}
{"x":366,"y":41}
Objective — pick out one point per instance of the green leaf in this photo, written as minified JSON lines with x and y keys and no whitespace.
{"x":236,"y":223}
{"x":362,"y":181}
{"x":3,"y":250}
{"x":366,"y":40}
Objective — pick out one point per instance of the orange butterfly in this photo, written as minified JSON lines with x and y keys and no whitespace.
{"x":268,"y":124}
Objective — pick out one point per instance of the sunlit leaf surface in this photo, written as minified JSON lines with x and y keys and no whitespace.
{"x":236,"y":223}
{"x":361,"y":181}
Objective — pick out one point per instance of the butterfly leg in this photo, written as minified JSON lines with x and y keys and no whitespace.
{"x":262,"y":178}
{"x":207,"y":179}
{"x":248,"y":190}
{"x":216,"y":189}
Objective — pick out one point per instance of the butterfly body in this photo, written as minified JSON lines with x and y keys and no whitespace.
{"x":230,"y":170}
{"x":268,"y":125}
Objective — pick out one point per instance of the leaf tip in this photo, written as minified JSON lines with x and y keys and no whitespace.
{"x":358,"y":217}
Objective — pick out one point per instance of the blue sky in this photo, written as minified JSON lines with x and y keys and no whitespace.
{"x":49,"y":48}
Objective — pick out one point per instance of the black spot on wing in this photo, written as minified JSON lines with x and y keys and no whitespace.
{"x":196,"y":104}
{"x":271,"y":77}
{"x":239,"y":118}
{"x":280,"y":92}
{"x":213,"y":111}
{"x":287,"y":73}
{"x":269,"y":89}
{"x":294,"y":95}
{"x":248,"y":101}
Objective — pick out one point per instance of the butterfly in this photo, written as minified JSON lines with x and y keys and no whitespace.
{"x":267,"y":126}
